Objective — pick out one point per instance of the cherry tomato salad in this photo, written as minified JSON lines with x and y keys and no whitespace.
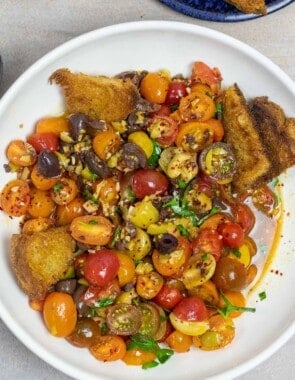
{"x":163,"y":247}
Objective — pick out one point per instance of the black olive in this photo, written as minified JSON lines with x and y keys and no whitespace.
{"x":145,"y":106}
{"x":66,"y":286}
{"x":95,"y":164}
{"x":135,"y":76}
{"x":48,"y":164}
{"x":77,"y":123}
{"x":81,"y":306}
{"x":134,"y":156}
{"x":166,"y":243}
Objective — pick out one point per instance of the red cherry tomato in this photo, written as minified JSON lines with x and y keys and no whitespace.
{"x":244,"y":216}
{"x":44,"y":141}
{"x":176,"y":91}
{"x":164,"y":110}
{"x":163,"y":129}
{"x":101,"y":267}
{"x":208,"y":240}
{"x":232,"y":234}
{"x":191,"y":308}
{"x":204,"y":74}
{"x":168,"y":297}
{"x":147,"y":182}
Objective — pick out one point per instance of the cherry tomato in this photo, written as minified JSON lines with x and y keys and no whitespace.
{"x":191,"y":308}
{"x":151,"y":320}
{"x":154,"y":87}
{"x":44,"y":141}
{"x":60,"y":314}
{"x":41,"y":182}
{"x":53,"y":124}
{"x":147,"y":182}
{"x":21,"y":153}
{"x":164,"y":110}
{"x":136,"y":356}
{"x":264,"y":199}
{"x":208,"y":240}
{"x":243,"y":216}
{"x":197,"y":106}
{"x":126,"y":272}
{"x":148,"y":285}
{"x":101,"y":267}
{"x":168,"y":297}
{"x":179,"y":342}
{"x":176,"y":91}
{"x":15,"y":197}
{"x":232,"y":234}
{"x":85,"y":333}
{"x":204,"y":74}
{"x":108,"y":348}
{"x":230,"y":274}
{"x":97,"y":293}
{"x":194,"y":136}
{"x":163,"y":129}
{"x":64,"y":191}
{"x":66,"y":213}
{"x":41,"y":204}
{"x":123,"y":319}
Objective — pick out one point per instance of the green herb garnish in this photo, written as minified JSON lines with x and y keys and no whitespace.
{"x":262,"y":296}
{"x":229,"y":307}
{"x":93,"y":222}
{"x":219,"y":109}
{"x":236,"y":252}
{"x":204,"y":256}
{"x":130,"y":194}
{"x":57,"y":187}
{"x":90,"y":197}
{"x":146,"y":343}
{"x":183,"y":231}
{"x":116,"y":236}
{"x":154,"y":158}
{"x":104,"y":302}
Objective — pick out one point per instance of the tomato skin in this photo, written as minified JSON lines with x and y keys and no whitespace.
{"x":85,"y":333}
{"x":176,"y":91}
{"x":163,"y":129}
{"x":44,"y":141}
{"x":179,"y":342}
{"x":15,"y":197}
{"x":154,"y":87}
{"x":60,"y":314}
{"x":191,"y":308}
{"x":208,"y":241}
{"x":147,"y":182}
{"x":101,"y":267}
{"x":168,"y":297}
{"x":244,"y":216}
{"x":232,"y":234}
{"x":164,"y":110}
{"x":230,"y":274}
{"x":108,"y":348}
{"x":136,"y":356}
{"x":201,"y":72}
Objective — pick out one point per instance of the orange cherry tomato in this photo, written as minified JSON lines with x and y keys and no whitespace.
{"x":207,"y":291}
{"x":154,"y":87}
{"x":172,"y":263}
{"x":138,"y":357}
{"x":41,"y":204}
{"x":36,"y":304}
{"x":148,"y":285}
{"x":106,"y":143}
{"x":108,"y":348}
{"x":236,"y":299}
{"x":194,"y":136}
{"x":179,"y":342}
{"x":126,"y":272}
{"x":41,"y":182}
{"x":37,"y":224}
{"x":196,"y":106}
{"x":64,"y":214}
{"x":107,"y":191}
{"x":163,"y":129}
{"x":21,"y":153}
{"x":64,"y":191}
{"x":91,"y":229}
{"x":217,"y":127}
{"x":53,"y":124}
{"x":60,"y":314}
{"x":15,"y":197}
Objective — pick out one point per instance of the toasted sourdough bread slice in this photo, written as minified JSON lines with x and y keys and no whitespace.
{"x":240,"y":132}
{"x":262,"y":138}
{"x":40,"y":259}
{"x":249,"y":6}
{"x":99,"y":97}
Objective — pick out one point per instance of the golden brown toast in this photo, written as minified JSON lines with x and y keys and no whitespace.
{"x":99,"y":97}
{"x":240,"y":132}
{"x":249,"y":6}
{"x":40,"y":259}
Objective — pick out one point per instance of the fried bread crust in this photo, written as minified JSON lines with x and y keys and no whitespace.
{"x":40,"y":259}
{"x":99,"y":97}
{"x":249,"y":6}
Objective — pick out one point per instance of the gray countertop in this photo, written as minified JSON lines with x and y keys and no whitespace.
{"x":31,"y":28}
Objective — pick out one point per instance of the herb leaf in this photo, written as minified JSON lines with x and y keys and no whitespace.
{"x":262,"y":296}
{"x":154,"y":158}
{"x":229,"y":307}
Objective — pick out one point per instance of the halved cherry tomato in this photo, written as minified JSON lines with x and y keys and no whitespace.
{"x":21,"y":153}
{"x":218,"y":130}
{"x":37,"y":224}
{"x":243,"y":216}
{"x":53,"y":124}
{"x":41,"y":182}
{"x":194,"y":136}
{"x":44,"y":141}
{"x":236,"y":299}
{"x":123,"y":319}
{"x":15,"y":197}
{"x":179,"y":342}
{"x":151,"y":319}
{"x":106,"y":143}
{"x":85,"y":333}
{"x":64,"y":191}
{"x":176,"y":91}
{"x":201,"y":72}
{"x":147,"y":182}
{"x":164,"y":110}
{"x":163,"y":129}
{"x":97,"y":293}
{"x":265,"y":200}
{"x":191,"y":308}
{"x":108,"y":348}
{"x":136,"y":356}
{"x":91,"y":229}
{"x":232,"y":234}
{"x":168,"y":297}
{"x":60,"y":314}
{"x":126,"y":272}
{"x":196,"y":106}
{"x":208,"y":240}
{"x":154,"y":87}
{"x":230,"y":274}
{"x":148,"y":285}
{"x":101,"y":267}
{"x":41,"y":204}
{"x":199,"y":269}
{"x":64,"y":214}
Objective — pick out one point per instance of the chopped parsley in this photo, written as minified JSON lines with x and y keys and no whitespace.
{"x":229,"y":307}
{"x":154,"y":158}
{"x":57,"y":187}
{"x":262,"y":296}
{"x":236,"y":252}
{"x":183,"y":231}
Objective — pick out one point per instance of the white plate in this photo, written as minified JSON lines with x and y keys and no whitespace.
{"x":153,"y":45}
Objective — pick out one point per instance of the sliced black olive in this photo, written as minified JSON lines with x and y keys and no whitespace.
{"x":77,"y":123}
{"x":48,"y":164}
{"x":95,"y":164}
{"x":66,"y":286}
{"x":166,"y":243}
{"x":134,"y":156}
{"x":135,"y":76}
{"x":145,"y":106}
{"x":81,"y":306}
